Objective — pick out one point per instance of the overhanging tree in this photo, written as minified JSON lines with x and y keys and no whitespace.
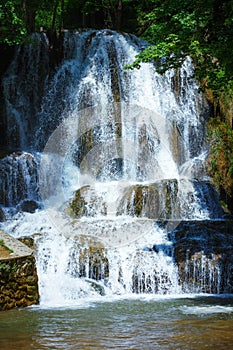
{"x":202,"y":29}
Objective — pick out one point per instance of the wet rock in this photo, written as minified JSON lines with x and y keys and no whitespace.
{"x":88,"y":261}
{"x":96,"y":286}
{"x":28,"y":241}
{"x":155,"y":249}
{"x":28,"y":206}
{"x":208,"y":198}
{"x":2,"y":215}
{"x":18,"y":178}
{"x":155,"y":201}
{"x":86,"y":202}
{"x":203,"y":254}
{"x":147,"y":249}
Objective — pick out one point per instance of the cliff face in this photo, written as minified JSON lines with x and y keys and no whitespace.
{"x":203,"y":253}
{"x":6,"y":57}
{"x":220,"y":139}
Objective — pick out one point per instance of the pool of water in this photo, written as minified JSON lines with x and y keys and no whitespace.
{"x":145,"y":322}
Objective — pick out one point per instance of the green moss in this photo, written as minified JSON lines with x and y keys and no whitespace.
{"x":14,"y":267}
{"x":4,"y":267}
{"x":2,"y":244}
{"x":78,"y":206}
{"x":220,"y":163}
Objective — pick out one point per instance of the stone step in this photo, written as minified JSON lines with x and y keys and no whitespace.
{"x":19,"y":249}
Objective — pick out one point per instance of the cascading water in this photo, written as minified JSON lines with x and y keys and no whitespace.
{"x":115,"y":178}
{"x":19,"y":180}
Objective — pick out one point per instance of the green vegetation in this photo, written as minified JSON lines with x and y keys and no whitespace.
{"x":2,"y":244}
{"x":18,"y":18}
{"x":202,"y":29}
{"x":12,"y":24}
{"x":14,"y":268}
{"x":7,"y":267}
{"x":221,"y":156}
{"x":4,"y":267}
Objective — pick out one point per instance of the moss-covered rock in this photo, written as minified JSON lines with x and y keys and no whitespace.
{"x":155,"y":201}
{"x":86,"y":202}
{"x":220,"y":161}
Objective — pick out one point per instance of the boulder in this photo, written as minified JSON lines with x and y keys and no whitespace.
{"x":28,"y":206}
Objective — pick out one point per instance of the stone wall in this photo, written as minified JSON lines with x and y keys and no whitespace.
{"x":18,"y":283}
{"x":18,"y":273}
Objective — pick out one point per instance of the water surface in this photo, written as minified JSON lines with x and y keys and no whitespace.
{"x":136,"y":323}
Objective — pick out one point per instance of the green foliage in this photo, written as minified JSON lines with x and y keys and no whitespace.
{"x":113,"y":14}
{"x":49,"y":14}
{"x":201,"y":29}
{"x":12,"y":26}
{"x":2,"y":244}
{"x":44,"y":14}
{"x":8,"y":267}
{"x":5,"y":267}
{"x":14,"y":268}
{"x":164,"y":53}
{"x":20,"y":18}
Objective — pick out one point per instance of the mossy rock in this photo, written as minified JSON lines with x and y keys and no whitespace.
{"x":155,"y":201}
{"x":86,"y":202}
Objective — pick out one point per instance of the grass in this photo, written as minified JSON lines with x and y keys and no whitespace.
{"x":2,"y":244}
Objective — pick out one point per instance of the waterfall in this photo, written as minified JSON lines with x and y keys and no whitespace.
{"x":23,"y":86}
{"x":120,"y":158}
{"x":19,"y":180}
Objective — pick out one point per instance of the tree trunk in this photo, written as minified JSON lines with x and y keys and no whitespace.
{"x":118,"y":14}
{"x":30,"y":16}
{"x":61,"y":19}
{"x":54,"y":16}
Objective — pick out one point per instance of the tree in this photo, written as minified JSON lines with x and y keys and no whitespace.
{"x":50,"y":15}
{"x":202,"y":29}
{"x":109,"y":11}
{"x":12,"y":25}
{"x":22,"y":17}
{"x":19,"y":18}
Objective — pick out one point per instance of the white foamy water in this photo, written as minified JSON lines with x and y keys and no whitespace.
{"x":206,"y":310}
{"x":58,"y":253}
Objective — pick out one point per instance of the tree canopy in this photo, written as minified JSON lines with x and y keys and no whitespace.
{"x":12,"y":24}
{"x":202,"y":29}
